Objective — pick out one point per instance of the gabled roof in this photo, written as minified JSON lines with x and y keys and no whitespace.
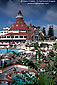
{"x":19,"y":25}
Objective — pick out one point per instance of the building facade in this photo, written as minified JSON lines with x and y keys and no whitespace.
{"x":17,"y":32}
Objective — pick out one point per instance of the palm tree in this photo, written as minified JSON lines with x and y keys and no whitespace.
{"x":34,"y":31}
{"x":38,"y":30}
{"x":55,"y":46}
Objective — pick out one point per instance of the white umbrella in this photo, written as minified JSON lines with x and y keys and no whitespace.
{"x":28,"y":51}
{"x":31,"y":48}
{"x":6,"y":56}
{"x":21,"y":50}
{"x":34,"y":53}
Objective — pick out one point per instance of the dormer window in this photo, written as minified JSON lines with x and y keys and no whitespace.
{"x":17,"y":25}
{"x":18,"y":22}
{"x":21,"y":25}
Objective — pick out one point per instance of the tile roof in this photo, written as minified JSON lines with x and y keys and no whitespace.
{"x":19,"y":25}
{"x":19,"y":13}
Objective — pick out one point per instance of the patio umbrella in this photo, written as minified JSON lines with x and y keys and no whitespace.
{"x":28,"y":51}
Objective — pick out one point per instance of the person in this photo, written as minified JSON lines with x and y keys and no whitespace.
{"x":13,"y":75}
{"x":14,"y":71}
{"x":1,"y":55}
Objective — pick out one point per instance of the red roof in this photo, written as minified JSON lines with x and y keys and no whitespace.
{"x":30,"y":24}
{"x":19,"y":25}
{"x":19,"y":12}
{"x":21,"y":33}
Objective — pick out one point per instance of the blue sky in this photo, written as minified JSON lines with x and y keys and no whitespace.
{"x":39,"y":15}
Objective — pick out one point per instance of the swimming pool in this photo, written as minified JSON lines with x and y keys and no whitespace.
{"x":21,"y":78}
{"x":2,"y":83}
{"x":5,"y":51}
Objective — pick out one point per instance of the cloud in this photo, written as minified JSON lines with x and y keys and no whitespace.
{"x":12,"y":8}
{"x":54,"y":27}
{"x":51,"y":14}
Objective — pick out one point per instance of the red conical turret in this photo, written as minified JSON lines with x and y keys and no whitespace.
{"x":19,"y":15}
{"x":30,"y":25}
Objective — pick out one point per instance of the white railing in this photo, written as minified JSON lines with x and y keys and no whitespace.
{"x":19,"y":66}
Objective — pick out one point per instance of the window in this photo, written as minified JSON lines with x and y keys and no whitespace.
{"x":16,"y":36}
{"x":21,"y":36}
{"x":18,"y":22}
{"x":4,"y":32}
{"x":35,"y":37}
{"x":32,"y":36}
{"x":21,"y":21}
{"x":21,"y":25}
{"x":17,"y":25}
{"x":25,"y":36}
{"x":4,"y":36}
{"x":1,"y":32}
{"x":8,"y":36}
{"x":12,"y":36}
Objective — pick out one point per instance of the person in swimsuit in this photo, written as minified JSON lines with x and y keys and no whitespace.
{"x":11,"y":76}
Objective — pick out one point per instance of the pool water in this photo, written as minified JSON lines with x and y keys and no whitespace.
{"x":22,"y":78}
{"x":5,"y":51}
{"x":2,"y":83}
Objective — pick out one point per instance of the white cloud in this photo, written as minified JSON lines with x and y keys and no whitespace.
{"x":51,"y":14}
{"x":54,"y":27}
{"x":12,"y":8}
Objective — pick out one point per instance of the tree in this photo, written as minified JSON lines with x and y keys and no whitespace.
{"x":27,"y":32}
{"x":55,"y":62}
{"x":55,"y":46}
{"x":34,"y":26}
{"x":51,"y":31}
{"x":52,"y":37}
{"x":46,"y":77}
{"x":38,"y":29}
{"x":43,"y":78}
{"x":44,"y":31}
{"x":51,"y":53}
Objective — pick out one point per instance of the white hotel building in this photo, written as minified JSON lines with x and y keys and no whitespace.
{"x":17,"y":31}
